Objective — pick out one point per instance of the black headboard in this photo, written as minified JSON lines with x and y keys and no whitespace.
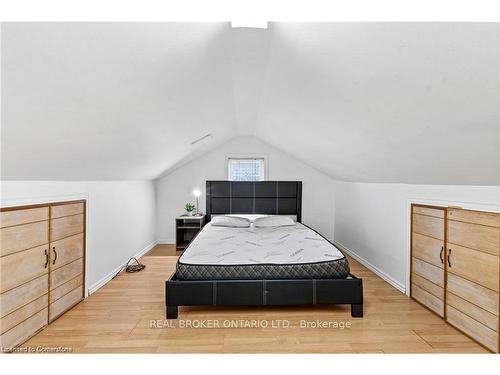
{"x":262,"y":197}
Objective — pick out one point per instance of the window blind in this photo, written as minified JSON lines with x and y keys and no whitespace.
{"x":246,"y":169}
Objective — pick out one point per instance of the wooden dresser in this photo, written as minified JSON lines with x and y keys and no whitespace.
{"x":455,"y":264}
{"x":42,"y":266}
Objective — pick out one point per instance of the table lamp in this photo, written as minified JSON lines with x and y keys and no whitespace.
{"x":197,"y":194}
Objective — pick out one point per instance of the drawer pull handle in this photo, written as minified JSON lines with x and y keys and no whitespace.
{"x":449,"y":257}
{"x":46,"y":258}
{"x":55,"y":255}
{"x":441,"y":255}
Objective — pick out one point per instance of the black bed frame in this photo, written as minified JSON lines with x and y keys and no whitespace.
{"x":266,"y":197}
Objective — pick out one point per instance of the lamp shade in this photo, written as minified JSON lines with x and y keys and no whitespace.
{"x":196,"y":193}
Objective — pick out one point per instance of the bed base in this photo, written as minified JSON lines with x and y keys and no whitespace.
{"x":263,"y":293}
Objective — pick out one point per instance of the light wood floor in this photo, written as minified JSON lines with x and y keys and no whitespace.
{"x":164,"y":250}
{"x":117,"y":318}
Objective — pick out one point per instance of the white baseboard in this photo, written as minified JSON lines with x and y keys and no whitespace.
{"x":165,"y":241}
{"x":396,"y":284}
{"x":94,"y":287}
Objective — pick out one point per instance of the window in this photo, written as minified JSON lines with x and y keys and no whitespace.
{"x":245,"y":169}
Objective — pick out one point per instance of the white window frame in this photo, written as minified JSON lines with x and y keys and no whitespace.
{"x":248,"y":156}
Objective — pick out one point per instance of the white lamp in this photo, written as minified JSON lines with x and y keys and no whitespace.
{"x":197,"y":194}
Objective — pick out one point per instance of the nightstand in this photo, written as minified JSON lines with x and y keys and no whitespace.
{"x":186,"y":227}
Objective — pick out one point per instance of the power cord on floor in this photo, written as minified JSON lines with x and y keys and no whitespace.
{"x":131,"y":268}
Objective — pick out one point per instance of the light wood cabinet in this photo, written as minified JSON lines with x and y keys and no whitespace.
{"x":66,"y":250}
{"x":21,"y":237}
{"x":427,"y":257}
{"x":42,"y":267}
{"x":476,"y":266}
{"x":23,"y":266}
{"x":66,"y":226}
{"x":461,"y":284}
{"x":428,"y":249}
{"x":472,"y":292}
{"x":62,"y":275}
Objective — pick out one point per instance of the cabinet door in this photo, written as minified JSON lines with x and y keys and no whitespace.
{"x":472,"y":288}
{"x":24,"y":268}
{"x":476,"y":266}
{"x":69,"y":209}
{"x":22,"y":237}
{"x":62,"y":227}
{"x":474,"y":236}
{"x":67,"y":257}
{"x":473,"y":328}
{"x":428,"y":257}
{"x":66,"y":250}
{"x":24,"y":330}
{"x":428,"y":249}
{"x":66,"y":288}
{"x":479,"y":295}
{"x":429,"y":226}
{"x":65,"y":273}
{"x":23,"y":313}
{"x":65,"y":303}
{"x":23,"y":216}
{"x":23,"y":294}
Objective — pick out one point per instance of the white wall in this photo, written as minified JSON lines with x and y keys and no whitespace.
{"x":372,"y":220}
{"x":120,"y":218}
{"x":175,"y":189}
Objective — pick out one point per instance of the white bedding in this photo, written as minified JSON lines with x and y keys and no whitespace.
{"x":295,"y":244}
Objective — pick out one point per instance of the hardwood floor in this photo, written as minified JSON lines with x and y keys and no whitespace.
{"x":118,"y":318}
{"x":164,"y":250}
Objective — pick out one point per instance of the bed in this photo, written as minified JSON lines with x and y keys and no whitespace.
{"x":288,"y":265}
{"x":285,"y":252}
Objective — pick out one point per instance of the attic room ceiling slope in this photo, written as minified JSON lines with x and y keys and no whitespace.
{"x":373,"y":102}
{"x":110,"y":101}
{"x":386,"y":102}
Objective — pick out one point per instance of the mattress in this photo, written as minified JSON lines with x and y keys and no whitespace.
{"x":289,"y":252}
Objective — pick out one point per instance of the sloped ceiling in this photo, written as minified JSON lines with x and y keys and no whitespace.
{"x":375,"y":102}
{"x":111,"y":100}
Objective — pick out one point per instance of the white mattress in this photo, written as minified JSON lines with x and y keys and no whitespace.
{"x":296,"y":244}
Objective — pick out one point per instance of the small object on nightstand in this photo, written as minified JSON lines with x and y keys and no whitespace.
{"x":186,"y":228}
{"x":197,"y":194}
